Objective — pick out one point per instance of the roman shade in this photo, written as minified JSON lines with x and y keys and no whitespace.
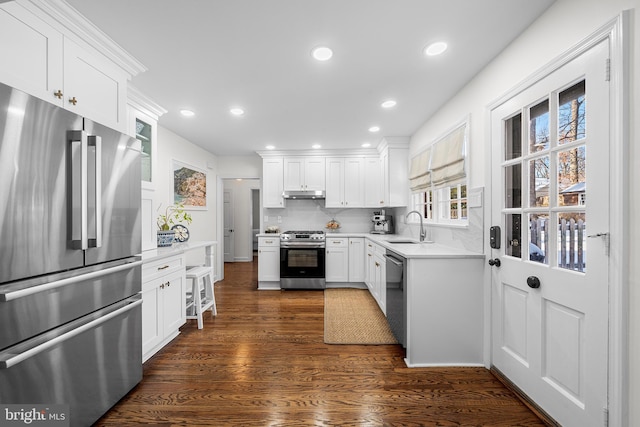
{"x":420,"y":175}
{"x":448,"y":157}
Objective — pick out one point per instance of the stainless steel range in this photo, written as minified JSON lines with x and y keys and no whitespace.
{"x":302,"y":258}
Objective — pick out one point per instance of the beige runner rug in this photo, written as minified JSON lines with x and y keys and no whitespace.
{"x":352,"y":316}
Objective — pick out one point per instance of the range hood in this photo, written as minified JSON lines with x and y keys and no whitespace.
{"x":303,"y":195}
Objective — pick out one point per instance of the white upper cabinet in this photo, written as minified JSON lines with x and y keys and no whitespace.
{"x":31,"y":53}
{"x":304,"y":174}
{"x":272,"y":182}
{"x":394,"y":156}
{"x":44,"y":53}
{"x":373,"y":182}
{"x":93,"y":87}
{"x":345,"y":182}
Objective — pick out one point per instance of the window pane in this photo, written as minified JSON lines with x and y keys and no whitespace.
{"x":513,"y":186}
{"x":454,"y":193}
{"x":572,"y":176}
{"x":513,"y":138}
{"x":572,"y":242}
{"x":539,"y":237}
{"x":454,"y":210}
{"x":463,"y":191}
{"x":512,"y":235}
{"x":571,"y":114}
{"x":539,"y":182}
{"x":539,"y":127}
{"x":463,"y":209}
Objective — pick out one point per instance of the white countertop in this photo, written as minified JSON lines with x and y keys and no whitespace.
{"x":412,"y":250}
{"x":175,"y":249}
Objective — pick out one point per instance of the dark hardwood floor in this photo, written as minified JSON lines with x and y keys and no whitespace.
{"x":262,"y":362}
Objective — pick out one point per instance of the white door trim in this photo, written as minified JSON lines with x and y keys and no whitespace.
{"x":617,"y":32}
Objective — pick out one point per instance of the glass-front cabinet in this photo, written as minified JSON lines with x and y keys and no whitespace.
{"x":143,"y":123}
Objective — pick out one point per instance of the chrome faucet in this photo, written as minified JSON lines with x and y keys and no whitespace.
{"x":423,"y":232}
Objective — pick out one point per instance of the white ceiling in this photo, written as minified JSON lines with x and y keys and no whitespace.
{"x":210,"y":56}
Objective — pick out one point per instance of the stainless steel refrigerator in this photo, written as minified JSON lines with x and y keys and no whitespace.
{"x":70,"y":270}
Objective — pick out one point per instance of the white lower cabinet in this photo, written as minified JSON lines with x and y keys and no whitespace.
{"x":376,"y":272}
{"x":345,"y":260}
{"x":337,"y":259}
{"x":356,"y":259}
{"x":163,"y":302}
{"x":269,"y":262}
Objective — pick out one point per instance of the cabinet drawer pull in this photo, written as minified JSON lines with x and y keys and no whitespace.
{"x":73,"y":100}
{"x":268,"y":241}
{"x":58,"y":94}
{"x":162,"y":268}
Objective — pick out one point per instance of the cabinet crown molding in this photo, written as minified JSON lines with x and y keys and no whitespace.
{"x":69,"y":20}
{"x":143,"y":103}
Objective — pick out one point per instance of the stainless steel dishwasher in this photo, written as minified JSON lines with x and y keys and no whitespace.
{"x":396,"y":296}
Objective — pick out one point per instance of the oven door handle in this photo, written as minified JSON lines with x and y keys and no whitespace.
{"x":302,"y":245}
{"x":7,"y":360}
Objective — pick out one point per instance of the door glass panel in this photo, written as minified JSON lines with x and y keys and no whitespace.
{"x":572,"y":177}
{"x":539,"y":182}
{"x":513,"y":186}
{"x":539,"y":127}
{"x":513,"y":138}
{"x":143,"y":134}
{"x":571,"y":114}
{"x":572,"y":242}
{"x":513,"y":236}
{"x":539,"y":237}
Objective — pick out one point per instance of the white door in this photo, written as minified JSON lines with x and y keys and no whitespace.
{"x":550,"y":289}
{"x":229,"y":235}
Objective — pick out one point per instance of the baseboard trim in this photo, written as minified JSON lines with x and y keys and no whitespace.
{"x":540,"y":413}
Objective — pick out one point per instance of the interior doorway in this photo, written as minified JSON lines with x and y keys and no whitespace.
{"x":241,"y":218}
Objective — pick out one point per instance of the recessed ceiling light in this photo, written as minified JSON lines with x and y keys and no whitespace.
{"x":435,"y":48}
{"x":187,"y":113}
{"x":270,"y":147}
{"x":374,"y":128}
{"x":316,"y":146}
{"x":366,"y":145}
{"x":390,"y":103}
{"x":236,"y":111}
{"x":322,"y":53}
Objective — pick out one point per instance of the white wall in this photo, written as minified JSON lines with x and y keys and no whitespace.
{"x":173,"y":147}
{"x":565,"y":24}
{"x":240,"y":166}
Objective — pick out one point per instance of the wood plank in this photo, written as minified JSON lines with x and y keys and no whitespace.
{"x":262,"y":361}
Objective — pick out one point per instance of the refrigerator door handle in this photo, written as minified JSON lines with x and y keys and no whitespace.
{"x":9,"y":360}
{"x":6,"y":296}
{"x":78,"y":148}
{"x":95,"y":190}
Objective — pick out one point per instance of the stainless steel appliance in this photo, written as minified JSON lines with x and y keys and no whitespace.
{"x":302,"y":260}
{"x":70,"y":279}
{"x":382,"y":224}
{"x":396,"y":267}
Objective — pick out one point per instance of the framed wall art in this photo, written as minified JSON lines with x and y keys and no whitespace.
{"x":189,"y":186}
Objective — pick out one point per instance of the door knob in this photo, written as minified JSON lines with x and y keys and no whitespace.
{"x":533,"y":282}
{"x":495,"y":261}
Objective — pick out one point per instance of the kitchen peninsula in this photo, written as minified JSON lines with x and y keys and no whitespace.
{"x":164,"y":292}
{"x":443,"y":294}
